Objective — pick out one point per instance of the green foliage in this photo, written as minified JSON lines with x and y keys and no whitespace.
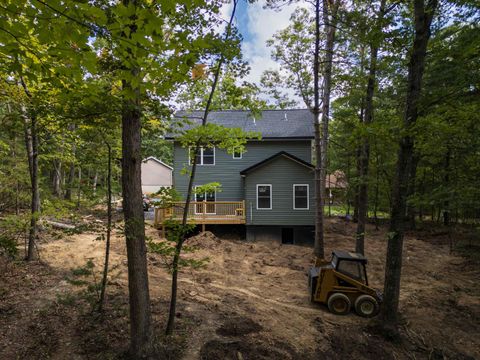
{"x":165,"y":197}
{"x":84,"y":270}
{"x":12,"y":229}
{"x":292,"y":48}
{"x":86,"y":278}
{"x":229,"y":95}
{"x":168,"y":249}
{"x":208,"y":188}
{"x":214,"y":135}
{"x":67,"y":299}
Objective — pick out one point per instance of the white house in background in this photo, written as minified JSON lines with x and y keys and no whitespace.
{"x":155,"y":175}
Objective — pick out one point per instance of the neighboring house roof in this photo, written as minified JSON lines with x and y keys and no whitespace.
{"x":336,"y":180}
{"x":273,"y":124}
{"x":277,"y":155}
{"x":158,"y":161}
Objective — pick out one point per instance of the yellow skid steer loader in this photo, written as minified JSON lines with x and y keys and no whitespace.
{"x":342,"y":283}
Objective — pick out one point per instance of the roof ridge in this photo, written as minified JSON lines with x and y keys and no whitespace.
{"x":274,"y":156}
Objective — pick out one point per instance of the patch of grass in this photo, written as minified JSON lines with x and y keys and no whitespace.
{"x":66,"y":299}
{"x":76,"y":282}
{"x":84,"y":270}
{"x":469,"y":250}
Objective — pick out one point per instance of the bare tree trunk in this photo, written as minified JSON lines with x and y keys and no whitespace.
{"x":31,"y":143}
{"x":365,"y":147}
{"x":71,"y":170}
{"x":57,"y":177}
{"x":375,"y":200}
{"x":139,"y":294}
{"x":31,"y":139}
{"x":176,"y":257}
{"x":319,"y":241}
{"x":329,"y":13}
{"x":423,"y":19}
{"x":71,"y":179}
{"x":410,"y":225}
{"x":140,"y":313}
{"x":94,"y":185}
{"x":15,"y":170}
{"x":358,"y":152}
{"x":79,"y":187}
{"x":446,"y":180}
{"x":422,"y":189}
{"x":101,"y":301}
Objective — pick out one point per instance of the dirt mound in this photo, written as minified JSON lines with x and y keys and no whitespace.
{"x":247,"y":350}
{"x":205,"y":240}
{"x":359,"y":344}
{"x":238,"y":326}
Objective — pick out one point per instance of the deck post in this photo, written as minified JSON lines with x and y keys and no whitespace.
{"x":204,"y":211}
{"x":244,"y":211}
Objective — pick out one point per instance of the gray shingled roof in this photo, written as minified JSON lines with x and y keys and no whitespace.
{"x":272,"y":124}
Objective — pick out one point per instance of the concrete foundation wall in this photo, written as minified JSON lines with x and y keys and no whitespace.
{"x":302,"y":235}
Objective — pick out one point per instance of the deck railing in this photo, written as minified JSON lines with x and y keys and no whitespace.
{"x":204,"y":212}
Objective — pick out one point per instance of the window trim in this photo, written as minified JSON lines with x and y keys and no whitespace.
{"x":201,"y":157}
{"x":237,"y":158}
{"x":271,"y":196}
{"x":308,"y":196}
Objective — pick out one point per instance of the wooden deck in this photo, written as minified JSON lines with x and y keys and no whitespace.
{"x":205,"y":212}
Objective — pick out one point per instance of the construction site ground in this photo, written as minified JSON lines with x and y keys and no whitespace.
{"x":250,"y":301}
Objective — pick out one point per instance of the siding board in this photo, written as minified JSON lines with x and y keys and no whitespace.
{"x":227,"y":170}
{"x":282,"y":174}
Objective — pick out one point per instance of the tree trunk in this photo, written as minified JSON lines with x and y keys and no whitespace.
{"x":94,"y":185}
{"x":139,"y":295}
{"x":329,"y":13}
{"x":358,"y":151}
{"x":377,"y":184}
{"x":365,"y":147}
{"x":446,"y":180}
{"x":15,"y":170}
{"x":71,"y":170}
{"x":31,"y":142}
{"x":319,"y":246}
{"x":79,"y":187}
{"x":57,"y":178}
{"x":71,"y":179}
{"x":347,"y":196}
{"x":101,"y":301}
{"x":423,"y":19}
{"x":411,"y":192}
{"x":178,"y":249}
{"x":140,"y":313}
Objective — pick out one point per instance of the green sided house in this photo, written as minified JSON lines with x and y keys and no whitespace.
{"x":269,"y":187}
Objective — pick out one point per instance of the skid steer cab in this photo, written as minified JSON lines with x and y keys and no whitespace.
{"x":342,"y":284}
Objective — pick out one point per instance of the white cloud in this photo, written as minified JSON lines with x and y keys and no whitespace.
{"x":262,"y":24}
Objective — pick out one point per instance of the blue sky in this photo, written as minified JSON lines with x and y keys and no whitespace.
{"x":257,"y":25}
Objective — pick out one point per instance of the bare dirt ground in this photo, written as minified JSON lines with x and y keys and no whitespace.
{"x":249,"y":302}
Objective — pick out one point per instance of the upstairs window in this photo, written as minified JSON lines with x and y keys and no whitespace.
{"x":264,"y":197}
{"x":237,"y":154}
{"x":205,"y":156}
{"x":300,"y":197}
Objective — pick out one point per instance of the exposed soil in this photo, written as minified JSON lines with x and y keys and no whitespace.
{"x":249,"y":302}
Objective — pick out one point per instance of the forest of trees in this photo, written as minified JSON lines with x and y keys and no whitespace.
{"x":394,"y":87}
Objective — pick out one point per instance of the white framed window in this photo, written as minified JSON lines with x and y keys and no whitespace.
{"x":237,"y":154}
{"x":301,"y":197}
{"x":205,"y":157}
{"x":208,"y":197}
{"x":264,"y":197}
